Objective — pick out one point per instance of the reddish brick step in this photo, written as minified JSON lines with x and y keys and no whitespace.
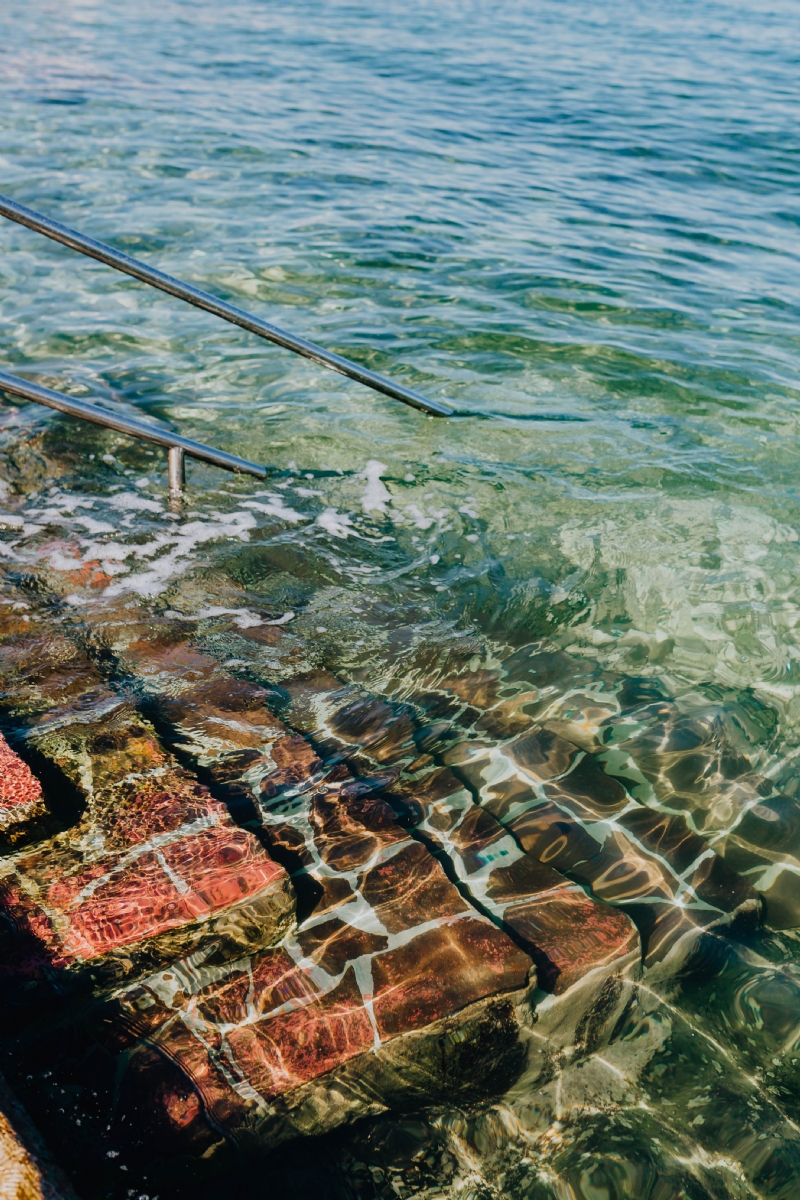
{"x":154,"y":869}
{"x":21,"y":799}
{"x":225,"y":724}
{"x":397,"y":993}
{"x":393,"y":993}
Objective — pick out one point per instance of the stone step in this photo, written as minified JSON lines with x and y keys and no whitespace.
{"x":685,"y":760}
{"x":153,"y":869}
{"x":396,"y":994}
{"x":396,"y":953}
{"x":226,"y":725}
{"x":386,"y":949}
{"x":571,"y":808}
{"x":22,"y":804}
{"x":423,"y":898}
{"x":302,"y":1037}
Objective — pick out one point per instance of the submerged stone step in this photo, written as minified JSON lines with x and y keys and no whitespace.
{"x":319,"y":1030}
{"x":696,"y":761}
{"x":568,"y":933}
{"x":301,"y":1037}
{"x":391,"y":987}
{"x":153,"y":869}
{"x":672,"y":902}
{"x":21,"y":801}
{"x":558,"y":805}
{"x":395,"y":994}
{"x":226,"y":726}
{"x":444,"y":944}
{"x":41,"y":667}
{"x":570,"y":805}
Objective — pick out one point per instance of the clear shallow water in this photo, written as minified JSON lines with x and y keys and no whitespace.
{"x":579,"y":225}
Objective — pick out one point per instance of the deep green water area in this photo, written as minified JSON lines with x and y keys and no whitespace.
{"x":577,"y":223}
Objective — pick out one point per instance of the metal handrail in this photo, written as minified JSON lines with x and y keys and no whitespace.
{"x":178,"y":446}
{"x":220,"y":308}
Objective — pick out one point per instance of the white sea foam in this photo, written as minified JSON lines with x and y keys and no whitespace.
{"x":245,"y":618}
{"x":422,"y":520}
{"x":415,"y":514}
{"x":276,"y":508}
{"x":182,"y":542}
{"x":93,"y":526}
{"x":337,"y":524}
{"x":132,"y":502}
{"x":284,"y":620}
{"x":158,"y":560}
{"x":376,"y":495}
{"x":64,"y":562}
{"x":61,"y":502}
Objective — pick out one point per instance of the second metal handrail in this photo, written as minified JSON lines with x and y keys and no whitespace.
{"x":177,"y":446}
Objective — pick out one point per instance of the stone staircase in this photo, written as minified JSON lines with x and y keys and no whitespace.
{"x":235,"y":914}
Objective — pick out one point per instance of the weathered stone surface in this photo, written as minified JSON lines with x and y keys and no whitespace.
{"x":272,"y":1027}
{"x":21,"y":800}
{"x":42,"y":678}
{"x":399,"y":994}
{"x":388,"y":947}
{"x":538,"y":907}
{"x":224,"y":724}
{"x":336,"y":1023}
{"x":567,"y":932}
{"x":154,"y":867}
{"x":474,"y":839}
{"x":575,"y":810}
{"x":41,"y":670}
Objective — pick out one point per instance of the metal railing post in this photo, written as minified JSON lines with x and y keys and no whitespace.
{"x":177,"y":471}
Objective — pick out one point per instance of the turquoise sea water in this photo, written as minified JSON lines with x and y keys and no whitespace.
{"x":576,"y":222}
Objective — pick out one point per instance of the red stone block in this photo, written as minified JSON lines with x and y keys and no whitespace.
{"x":442,"y":971}
{"x":21,"y":799}
{"x":188,"y":880}
{"x":275,"y":1055}
{"x":154,"y":869}
{"x":400,"y":952}
{"x":570,"y":935}
{"x":410,"y":888}
{"x":270,"y":1028}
